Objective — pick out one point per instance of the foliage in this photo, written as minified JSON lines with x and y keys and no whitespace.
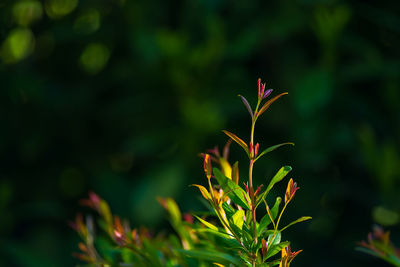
{"x":239,"y":238}
{"x":379,"y":245}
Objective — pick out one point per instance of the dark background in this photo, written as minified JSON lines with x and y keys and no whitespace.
{"x":120,"y":96}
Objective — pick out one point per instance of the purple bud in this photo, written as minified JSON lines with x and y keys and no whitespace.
{"x":267,"y":93}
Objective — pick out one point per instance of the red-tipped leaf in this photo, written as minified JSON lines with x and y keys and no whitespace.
{"x":237,"y":140}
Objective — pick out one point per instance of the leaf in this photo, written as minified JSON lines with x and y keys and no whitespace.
{"x":213,"y":256}
{"x":278,"y":177}
{"x":274,"y":249}
{"x":238,"y":219}
{"x":237,"y":140}
{"x":203,"y":191}
{"x":229,"y":211}
{"x":274,"y":239}
{"x":265,"y":221}
{"x":268,"y":103}
{"x":247,"y":105}
{"x":301,"y":219}
{"x":209,"y":225}
{"x":272,"y":148}
{"x":234,"y":191}
{"x":235,"y":172}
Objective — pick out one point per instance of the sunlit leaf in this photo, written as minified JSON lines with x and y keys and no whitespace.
{"x":235,"y":172}
{"x":238,"y":219}
{"x":272,"y":148}
{"x":268,"y":103}
{"x":266,"y":220}
{"x":278,"y":177}
{"x":209,"y":225}
{"x":237,"y":140}
{"x":203,"y":191}
{"x":234,"y":191}
{"x":301,"y":219}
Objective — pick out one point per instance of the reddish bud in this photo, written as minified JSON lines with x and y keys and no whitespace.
{"x":251,"y":150}
{"x":256,"y":148}
{"x":264,"y":247}
{"x":188,"y":218}
{"x":258,"y":190}
{"x":290,"y":190}
{"x":259,"y":87}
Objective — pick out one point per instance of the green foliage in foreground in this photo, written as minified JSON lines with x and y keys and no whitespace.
{"x":229,"y":235}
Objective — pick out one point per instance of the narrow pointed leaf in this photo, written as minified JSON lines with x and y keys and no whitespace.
{"x":266,"y":220}
{"x":278,"y":177}
{"x":211,"y":256}
{"x":235,"y":172}
{"x":237,"y":140}
{"x":272,"y":148}
{"x":209,"y":225}
{"x":268,"y":103}
{"x":247,"y":105}
{"x":203,"y":191}
{"x":301,"y":219}
{"x":234,"y":191}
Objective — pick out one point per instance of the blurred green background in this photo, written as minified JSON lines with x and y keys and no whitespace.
{"x":120,"y":96}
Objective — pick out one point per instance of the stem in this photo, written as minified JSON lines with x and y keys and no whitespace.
{"x":251,"y":188}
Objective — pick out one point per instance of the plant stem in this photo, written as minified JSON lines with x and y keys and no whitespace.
{"x":251,"y":188}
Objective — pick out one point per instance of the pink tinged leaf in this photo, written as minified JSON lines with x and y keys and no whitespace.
{"x":238,"y":141}
{"x":247,"y":105}
{"x":267,"y":93}
{"x":259,"y":87}
{"x":247,"y":187}
{"x":268,"y":103}
{"x":225,"y":152}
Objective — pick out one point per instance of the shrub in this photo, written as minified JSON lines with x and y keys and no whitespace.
{"x":238,"y":239}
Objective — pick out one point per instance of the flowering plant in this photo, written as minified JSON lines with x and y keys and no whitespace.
{"x":239,"y":239}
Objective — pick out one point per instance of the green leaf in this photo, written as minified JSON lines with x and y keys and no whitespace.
{"x":238,"y":141}
{"x":272,"y":148}
{"x":274,"y":249}
{"x":301,"y":219}
{"x":209,"y":225}
{"x":234,"y":191}
{"x":274,"y":239}
{"x":266,"y":220}
{"x":278,"y":177}
{"x":238,"y":219}
{"x":211,"y":256}
{"x":229,"y":211}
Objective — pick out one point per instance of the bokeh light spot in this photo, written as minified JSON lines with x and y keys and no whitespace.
{"x":94,"y":58}
{"x":18,"y":45}
{"x":27,"y":11}
{"x":59,"y":8}
{"x":88,"y":22}
{"x":385,"y":216}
